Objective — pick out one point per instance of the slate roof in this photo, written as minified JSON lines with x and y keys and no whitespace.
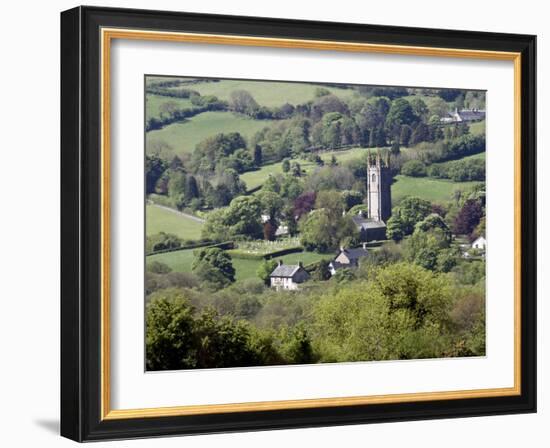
{"x":366,"y":223}
{"x":355,"y":254}
{"x":471,"y":115}
{"x":285,"y":270}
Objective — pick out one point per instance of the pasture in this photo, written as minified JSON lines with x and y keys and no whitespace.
{"x":159,"y":219}
{"x":184,"y":136}
{"x":267,"y":93}
{"x":181,"y":261}
{"x":430,"y":189}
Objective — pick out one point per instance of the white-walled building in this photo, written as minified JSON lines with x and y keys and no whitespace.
{"x":288,"y":276}
{"x":480,"y":243}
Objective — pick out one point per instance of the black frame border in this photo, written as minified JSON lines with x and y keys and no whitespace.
{"x":81,"y":223}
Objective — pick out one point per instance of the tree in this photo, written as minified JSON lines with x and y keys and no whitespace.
{"x":258,"y":156}
{"x":191,"y":188}
{"x":419,"y":108}
{"x":243,"y":217}
{"x":434,"y":221}
{"x":269,"y":230}
{"x":296,"y":169}
{"x":176,"y":337}
{"x":291,"y":187}
{"x":423,"y":248}
{"x":395,"y":228}
{"x":322,"y":231}
{"x":243,"y":102}
{"x":158,"y":267}
{"x":401,"y":314}
{"x":265,"y":269}
{"x":395,"y":149}
{"x":322,"y":271}
{"x":316,"y":232}
{"x":420,"y":134}
{"x":286,"y":166}
{"x":414,"y":168}
{"x":271,"y":204}
{"x":351,"y":198}
{"x":410,"y":211}
{"x":162,"y":241}
{"x":438,"y":107}
{"x":405,"y":137}
{"x":304,"y":203}
{"x":468,"y":217}
{"x":176,"y":188}
{"x":400,"y":113}
{"x":331,"y":202}
{"x":154,"y":167}
{"x":214,"y":266}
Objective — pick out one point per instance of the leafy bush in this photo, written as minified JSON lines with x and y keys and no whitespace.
{"x":414,"y":168}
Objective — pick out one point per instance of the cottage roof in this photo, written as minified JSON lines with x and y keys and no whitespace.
{"x":355,"y":254}
{"x":285,"y":270}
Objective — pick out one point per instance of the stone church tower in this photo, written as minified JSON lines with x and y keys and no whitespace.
{"x":378,"y":189}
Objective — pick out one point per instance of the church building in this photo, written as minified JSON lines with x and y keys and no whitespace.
{"x":373,"y":225}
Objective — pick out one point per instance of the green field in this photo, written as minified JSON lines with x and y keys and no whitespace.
{"x":183,"y":137}
{"x":477,"y":128}
{"x":266,"y":93}
{"x":430,"y":189}
{"x":181,"y":260}
{"x":161,"y":220}
{"x":153,"y":103}
{"x":256,"y":178}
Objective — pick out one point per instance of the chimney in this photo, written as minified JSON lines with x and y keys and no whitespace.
{"x":342,"y":248}
{"x":300,"y":264}
{"x":280,"y":262}
{"x":365,"y":246}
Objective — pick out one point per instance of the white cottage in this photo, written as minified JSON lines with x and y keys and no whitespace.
{"x":480,"y":243}
{"x":288,"y":276}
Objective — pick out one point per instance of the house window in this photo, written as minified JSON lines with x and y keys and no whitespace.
{"x":373,"y":178}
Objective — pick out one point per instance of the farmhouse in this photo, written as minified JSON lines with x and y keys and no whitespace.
{"x":464,"y":115}
{"x":480,"y":243}
{"x":288,"y":276}
{"x":347,"y":258}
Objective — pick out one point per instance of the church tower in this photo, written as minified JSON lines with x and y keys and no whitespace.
{"x":378,"y":188}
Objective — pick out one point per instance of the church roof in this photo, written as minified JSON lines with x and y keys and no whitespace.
{"x":367,"y":223}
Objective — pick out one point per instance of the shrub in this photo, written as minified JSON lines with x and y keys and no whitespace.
{"x":414,"y":168}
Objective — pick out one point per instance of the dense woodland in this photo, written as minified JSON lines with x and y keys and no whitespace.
{"x":415,"y":295}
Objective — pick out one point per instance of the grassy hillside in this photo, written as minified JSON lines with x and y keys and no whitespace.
{"x":184,"y":136}
{"x":266,"y":93}
{"x":161,"y":220}
{"x":435,"y":190}
{"x":254,"y":179}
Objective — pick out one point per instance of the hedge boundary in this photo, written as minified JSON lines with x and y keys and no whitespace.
{"x":224,"y":245}
{"x":236,"y":253}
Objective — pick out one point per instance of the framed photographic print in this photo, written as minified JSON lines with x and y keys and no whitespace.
{"x":276,"y":224}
